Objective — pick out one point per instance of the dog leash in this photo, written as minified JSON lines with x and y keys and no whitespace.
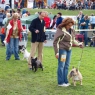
{"x":80,"y":59}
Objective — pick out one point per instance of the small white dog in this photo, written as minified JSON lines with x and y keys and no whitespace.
{"x":25,"y":53}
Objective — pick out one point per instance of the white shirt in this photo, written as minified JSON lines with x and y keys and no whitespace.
{"x":9,"y":26}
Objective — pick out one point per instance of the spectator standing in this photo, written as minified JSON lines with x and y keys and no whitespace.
{"x":59,"y":5}
{"x":94,"y":5}
{"x":13,"y":36}
{"x":37,"y":29}
{"x":4,"y":29}
{"x":53,"y":22}
{"x":92,"y":21}
{"x":84,"y":24}
{"x":64,"y":5}
{"x":1,"y":18}
{"x":59,"y":19}
{"x":79,"y":5}
{"x":86,"y":4}
{"x":47,"y":21}
{"x":79,"y":17}
{"x":39,"y":3}
{"x":18,"y":3}
{"x":22,"y":3}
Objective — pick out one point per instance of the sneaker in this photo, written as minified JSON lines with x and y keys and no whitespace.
{"x":68,"y":84}
{"x":60,"y":84}
{"x":86,"y":45}
{"x":17,"y":58}
{"x":7,"y":59}
{"x":30,"y":68}
{"x":63,"y":85}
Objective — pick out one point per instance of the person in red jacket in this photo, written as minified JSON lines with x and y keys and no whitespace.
{"x":13,"y":35}
{"x":47,"y":21}
{"x":3,"y":1}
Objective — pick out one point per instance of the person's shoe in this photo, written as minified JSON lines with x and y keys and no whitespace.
{"x":60,"y":84}
{"x":68,"y":84}
{"x":7,"y":59}
{"x":3,"y":44}
{"x":63,"y":85}
{"x":17,"y":58}
{"x":86,"y":45}
{"x":30,"y":68}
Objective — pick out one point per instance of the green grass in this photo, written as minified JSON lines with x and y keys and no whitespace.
{"x":17,"y":79}
{"x":64,"y":12}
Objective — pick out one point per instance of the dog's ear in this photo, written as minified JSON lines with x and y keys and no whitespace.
{"x":24,"y":46}
{"x":36,"y":58}
{"x":76,"y":69}
{"x":71,"y":73}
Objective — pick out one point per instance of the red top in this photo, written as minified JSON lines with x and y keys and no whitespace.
{"x":11,"y":30}
{"x":47,"y":22}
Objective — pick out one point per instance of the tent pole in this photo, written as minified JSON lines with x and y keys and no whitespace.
{"x":12,"y":4}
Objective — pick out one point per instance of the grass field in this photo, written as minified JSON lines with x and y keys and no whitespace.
{"x":17,"y":79}
{"x":64,"y":12}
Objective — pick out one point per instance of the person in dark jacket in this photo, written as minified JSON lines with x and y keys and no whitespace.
{"x":84,"y":24}
{"x":37,"y":29}
{"x":59,"y":19}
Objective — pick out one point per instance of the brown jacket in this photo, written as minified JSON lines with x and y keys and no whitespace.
{"x":64,"y":40}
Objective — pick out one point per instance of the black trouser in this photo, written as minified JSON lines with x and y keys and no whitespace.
{"x":10,"y":3}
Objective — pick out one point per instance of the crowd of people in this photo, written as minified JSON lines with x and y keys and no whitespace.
{"x":6,"y":16}
{"x":86,"y":22}
{"x":17,"y":3}
{"x":79,"y":5}
{"x":49,"y":23}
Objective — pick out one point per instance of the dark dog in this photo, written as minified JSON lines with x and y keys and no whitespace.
{"x":36,"y":64}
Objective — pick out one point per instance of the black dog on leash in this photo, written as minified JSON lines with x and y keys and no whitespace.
{"x":36,"y":64}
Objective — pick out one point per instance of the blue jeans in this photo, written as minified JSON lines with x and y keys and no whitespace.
{"x":85,"y":37}
{"x":12,"y":48}
{"x":2,"y":38}
{"x":62,"y":71}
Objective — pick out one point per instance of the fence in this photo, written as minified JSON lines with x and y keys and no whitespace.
{"x":50,"y":35}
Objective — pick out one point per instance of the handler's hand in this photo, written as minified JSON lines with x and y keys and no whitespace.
{"x":45,"y":41}
{"x":57,"y":55}
{"x":81,"y":45}
{"x":37,"y":31}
